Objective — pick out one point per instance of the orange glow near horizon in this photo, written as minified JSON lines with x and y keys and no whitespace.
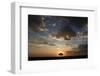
{"x":60,"y":51}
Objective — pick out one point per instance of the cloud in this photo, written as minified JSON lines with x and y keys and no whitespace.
{"x":55,"y":38}
{"x":42,"y":41}
{"x":51,"y":44}
{"x":36,"y":23}
{"x":53,"y":31}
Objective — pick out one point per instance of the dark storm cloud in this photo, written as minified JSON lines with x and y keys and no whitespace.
{"x":71,"y":27}
{"x":79,"y":22}
{"x":58,"y":26}
{"x":65,"y":31}
{"x":36,"y":23}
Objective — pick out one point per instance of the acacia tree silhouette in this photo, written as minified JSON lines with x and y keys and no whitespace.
{"x":61,"y":54}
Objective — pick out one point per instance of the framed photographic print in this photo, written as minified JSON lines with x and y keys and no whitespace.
{"x":51,"y":38}
{"x":57,"y":37}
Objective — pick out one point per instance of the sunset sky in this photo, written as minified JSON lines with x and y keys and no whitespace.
{"x":49,"y":35}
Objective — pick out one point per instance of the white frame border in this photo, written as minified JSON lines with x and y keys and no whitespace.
{"x":16,"y":30}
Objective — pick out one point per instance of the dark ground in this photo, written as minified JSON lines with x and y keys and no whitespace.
{"x":57,"y":58}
